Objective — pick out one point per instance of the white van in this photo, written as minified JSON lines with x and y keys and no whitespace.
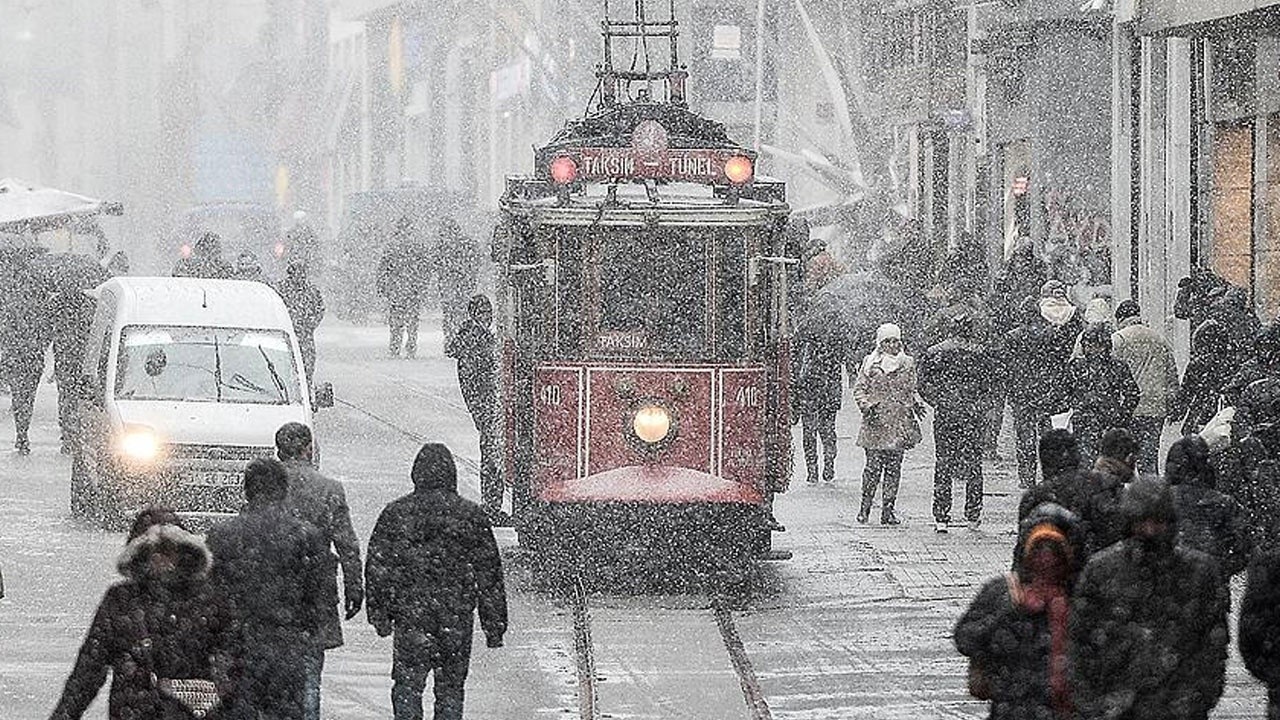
{"x":185,"y":381}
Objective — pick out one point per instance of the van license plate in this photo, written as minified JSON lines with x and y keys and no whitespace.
{"x":215,"y":479}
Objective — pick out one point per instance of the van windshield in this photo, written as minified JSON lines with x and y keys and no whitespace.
{"x":201,"y":364}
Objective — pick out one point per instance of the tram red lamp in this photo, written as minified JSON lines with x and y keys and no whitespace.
{"x":185,"y":250}
{"x":652,"y":424}
{"x":739,"y":169}
{"x":564,"y":170}
{"x":279,"y":249}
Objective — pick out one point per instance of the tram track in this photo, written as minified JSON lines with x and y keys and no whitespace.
{"x":585,"y":651}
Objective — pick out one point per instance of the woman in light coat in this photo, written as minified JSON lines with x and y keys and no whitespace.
{"x":885,"y":391}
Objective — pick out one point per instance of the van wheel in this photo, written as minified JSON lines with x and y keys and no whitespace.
{"x":81,"y":487}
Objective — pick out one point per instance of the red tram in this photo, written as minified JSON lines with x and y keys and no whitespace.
{"x":642,"y":314}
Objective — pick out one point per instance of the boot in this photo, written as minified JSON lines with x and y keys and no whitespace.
{"x":865,"y":513}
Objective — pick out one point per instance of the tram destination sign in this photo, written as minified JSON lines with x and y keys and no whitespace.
{"x":697,"y":165}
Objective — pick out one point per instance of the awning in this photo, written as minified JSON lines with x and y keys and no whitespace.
{"x":25,"y":207}
{"x":1184,"y":17}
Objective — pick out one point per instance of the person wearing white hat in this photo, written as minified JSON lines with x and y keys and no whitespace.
{"x":885,"y":392}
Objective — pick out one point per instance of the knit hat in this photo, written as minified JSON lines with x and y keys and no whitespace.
{"x":1127,"y":309}
{"x":887,"y":331}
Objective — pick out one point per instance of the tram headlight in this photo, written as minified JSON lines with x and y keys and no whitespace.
{"x":652,"y":424}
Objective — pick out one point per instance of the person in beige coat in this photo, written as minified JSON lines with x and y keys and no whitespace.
{"x":885,"y":392}
{"x":1150,"y":359}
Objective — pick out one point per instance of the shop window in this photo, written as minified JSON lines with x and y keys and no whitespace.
{"x":1231,"y":243}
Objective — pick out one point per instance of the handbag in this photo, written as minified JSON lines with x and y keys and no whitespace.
{"x":1217,"y":432}
{"x":912,"y":435}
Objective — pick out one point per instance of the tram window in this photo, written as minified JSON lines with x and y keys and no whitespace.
{"x":570,"y":320}
{"x":731,"y":308}
{"x":653,"y":290}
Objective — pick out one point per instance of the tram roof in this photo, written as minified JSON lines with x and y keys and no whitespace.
{"x":678,"y":204}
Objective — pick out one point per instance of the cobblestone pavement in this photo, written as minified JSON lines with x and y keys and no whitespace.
{"x":896,"y":592}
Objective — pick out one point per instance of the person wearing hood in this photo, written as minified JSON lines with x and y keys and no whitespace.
{"x":433,"y":562}
{"x":956,"y":378}
{"x":270,"y":566}
{"x":1150,"y":360}
{"x":885,"y":393}
{"x":1259,"y":629}
{"x":1015,"y":632}
{"x":1208,"y":520}
{"x":322,"y":503}
{"x":1064,"y":482}
{"x":1101,"y":391}
{"x":163,"y":620}
{"x":1149,"y":620}
{"x":306,"y":309}
{"x":206,"y":260}
{"x":1205,"y":380}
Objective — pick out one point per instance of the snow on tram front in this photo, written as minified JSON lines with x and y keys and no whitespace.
{"x":645,"y":342}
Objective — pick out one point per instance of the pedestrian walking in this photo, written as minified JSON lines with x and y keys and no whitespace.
{"x":1205,"y":380}
{"x":818,"y":389}
{"x":402,"y":279}
{"x":1150,"y":360}
{"x":269,"y":567}
{"x":1064,"y":482}
{"x":956,"y":379}
{"x":206,"y":260}
{"x":1264,"y":363}
{"x":456,"y":267}
{"x":1100,"y":390}
{"x":1259,"y":629}
{"x":1015,"y":632}
{"x":322,"y":503}
{"x":1208,"y":520}
{"x":1254,"y":462}
{"x":160,"y":630}
{"x":25,"y":334}
{"x":433,"y":562}
{"x":306,"y":309}
{"x":70,"y":314}
{"x":885,"y":392}
{"x":475,"y":348}
{"x":1103,"y":488}
{"x":1034,"y":348}
{"x":1149,"y":620}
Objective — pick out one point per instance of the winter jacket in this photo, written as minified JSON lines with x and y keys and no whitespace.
{"x":1257,"y":470}
{"x":1206,"y":378}
{"x":270,"y":567}
{"x":433,"y":561}
{"x":1259,"y":629}
{"x":1214,"y":524}
{"x":1099,"y":502}
{"x":305,"y":305}
{"x":1149,"y":626}
{"x":956,"y":378}
{"x":1150,"y":360}
{"x":322,"y":503}
{"x":175,"y":626}
{"x":819,"y":358}
{"x":25,"y":326}
{"x":404,"y":271}
{"x":476,"y":350}
{"x":1010,"y":639}
{"x":1102,"y":393}
{"x":887,"y":402}
{"x":1065,"y":488}
{"x":1036,"y":362}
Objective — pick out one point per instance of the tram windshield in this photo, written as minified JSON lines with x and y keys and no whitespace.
{"x":662,"y":292}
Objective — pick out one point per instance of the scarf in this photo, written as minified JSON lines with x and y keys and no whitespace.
{"x":886,"y":363}
{"x":1057,"y":311}
{"x":1047,"y":595}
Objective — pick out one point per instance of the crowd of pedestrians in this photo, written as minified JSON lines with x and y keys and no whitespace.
{"x":236,"y":626}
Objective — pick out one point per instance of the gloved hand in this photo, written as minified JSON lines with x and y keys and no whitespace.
{"x":353,"y":603}
{"x":493,"y":641}
{"x":384,"y":629}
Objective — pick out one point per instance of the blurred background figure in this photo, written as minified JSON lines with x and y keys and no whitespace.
{"x":402,"y":279}
{"x":306,"y":309}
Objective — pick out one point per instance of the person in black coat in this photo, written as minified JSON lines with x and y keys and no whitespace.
{"x":269,"y":567}
{"x":70,"y":313}
{"x":1210,"y":369}
{"x":322,"y":503}
{"x":1253,"y":462}
{"x":818,"y":391}
{"x":306,"y":309}
{"x":433,"y":561}
{"x":476,"y":350}
{"x":206,"y":260}
{"x":1101,"y":390}
{"x":25,"y":333}
{"x":1038,"y":352}
{"x":1102,"y":488}
{"x":163,"y":618}
{"x":1208,"y":520}
{"x":402,"y":278}
{"x":1064,"y":481}
{"x":1015,"y":631}
{"x":1259,"y":628}
{"x":1149,"y":620}
{"x":955,"y":378}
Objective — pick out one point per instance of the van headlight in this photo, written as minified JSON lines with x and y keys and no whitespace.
{"x":139,"y":444}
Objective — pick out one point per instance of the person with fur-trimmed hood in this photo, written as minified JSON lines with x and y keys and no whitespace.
{"x":1015,"y":632}
{"x":163,"y":619}
{"x":1149,"y":620}
{"x":433,"y":562}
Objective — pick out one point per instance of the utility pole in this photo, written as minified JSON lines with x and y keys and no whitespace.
{"x":759,"y":109}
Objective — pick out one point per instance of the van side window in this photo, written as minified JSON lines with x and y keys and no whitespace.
{"x":104,"y":355}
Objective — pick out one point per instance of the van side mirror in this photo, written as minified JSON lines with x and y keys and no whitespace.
{"x":324,"y":396}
